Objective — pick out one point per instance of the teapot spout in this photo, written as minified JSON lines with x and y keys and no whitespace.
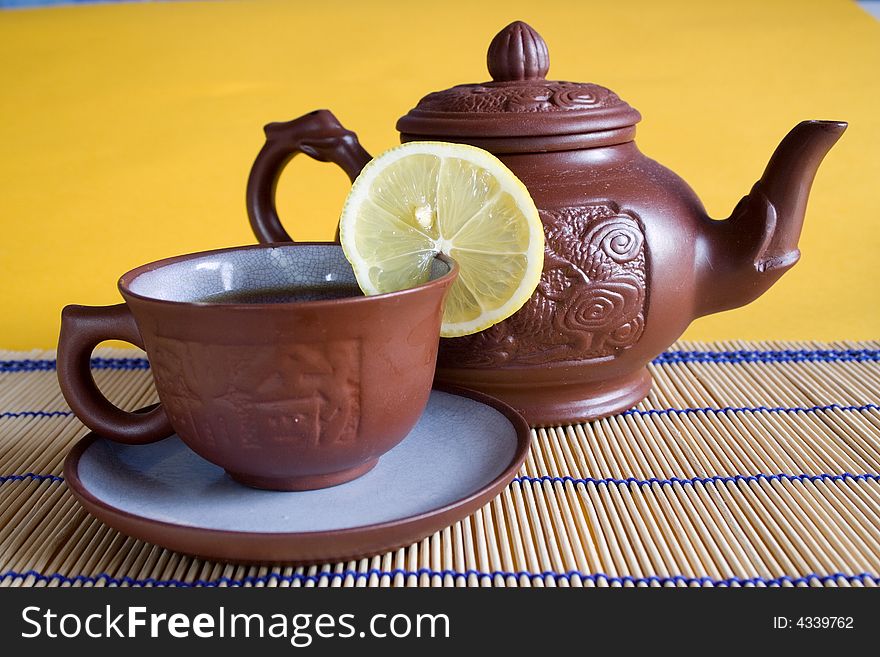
{"x":747,"y":253}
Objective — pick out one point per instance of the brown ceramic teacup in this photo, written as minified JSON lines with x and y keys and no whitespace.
{"x":268,"y":361}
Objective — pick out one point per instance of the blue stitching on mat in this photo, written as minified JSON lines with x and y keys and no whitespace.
{"x":869,"y":476}
{"x":609,"y":481}
{"x":48,"y":365}
{"x":457,"y":575}
{"x":669,"y":357}
{"x":36,"y":414}
{"x":633,"y":411}
{"x":31,"y":476}
{"x":769,"y":356}
{"x":751,"y":409}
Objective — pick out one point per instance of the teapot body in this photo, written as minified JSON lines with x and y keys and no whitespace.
{"x":631,"y":257}
{"x":618,"y":287}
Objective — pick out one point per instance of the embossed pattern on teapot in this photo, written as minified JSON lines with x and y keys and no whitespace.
{"x":592,"y":294}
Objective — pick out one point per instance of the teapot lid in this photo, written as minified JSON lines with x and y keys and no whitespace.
{"x":520,"y":110}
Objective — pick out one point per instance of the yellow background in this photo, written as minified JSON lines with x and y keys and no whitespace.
{"x":127,"y":131}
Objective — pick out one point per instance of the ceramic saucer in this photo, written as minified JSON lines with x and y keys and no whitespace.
{"x":464,"y":450}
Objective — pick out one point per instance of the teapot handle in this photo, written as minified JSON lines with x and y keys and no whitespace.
{"x":317,"y":134}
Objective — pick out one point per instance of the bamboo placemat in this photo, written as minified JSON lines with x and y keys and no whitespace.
{"x":750,"y":464}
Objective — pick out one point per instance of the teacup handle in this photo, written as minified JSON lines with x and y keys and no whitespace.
{"x":317,"y":134}
{"x":82,"y":329}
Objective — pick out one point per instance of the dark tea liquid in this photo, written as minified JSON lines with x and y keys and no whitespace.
{"x":287,"y":294}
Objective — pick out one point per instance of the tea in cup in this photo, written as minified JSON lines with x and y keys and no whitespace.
{"x":268,"y":361}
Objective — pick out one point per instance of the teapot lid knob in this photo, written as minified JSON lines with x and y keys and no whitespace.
{"x":518,"y":53}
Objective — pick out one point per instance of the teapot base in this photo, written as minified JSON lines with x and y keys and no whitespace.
{"x":545,"y":404}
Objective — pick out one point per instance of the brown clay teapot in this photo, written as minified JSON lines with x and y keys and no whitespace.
{"x":631,"y":256}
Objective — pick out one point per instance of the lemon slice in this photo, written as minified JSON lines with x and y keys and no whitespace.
{"x":424,"y":198}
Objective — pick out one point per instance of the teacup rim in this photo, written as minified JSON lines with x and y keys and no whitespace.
{"x":125,"y":281}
